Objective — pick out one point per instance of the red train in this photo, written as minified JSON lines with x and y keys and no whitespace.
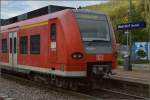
{"x":66,"y":44}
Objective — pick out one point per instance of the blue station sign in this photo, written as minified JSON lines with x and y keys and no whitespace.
{"x":134,"y":25}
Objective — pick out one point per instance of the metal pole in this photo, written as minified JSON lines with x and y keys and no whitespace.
{"x":130,"y":36}
{"x":127,"y":34}
{"x":127,"y":42}
{"x":148,"y":2}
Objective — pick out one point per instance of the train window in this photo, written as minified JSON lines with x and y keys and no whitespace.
{"x":23,"y":45}
{"x":94,"y":30}
{"x":35,"y":44}
{"x":53,"y":32}
{"x":93,"y":27}
{"x":10,"y":45}
{"x":4,"y":45}
{"x":15,"y":46}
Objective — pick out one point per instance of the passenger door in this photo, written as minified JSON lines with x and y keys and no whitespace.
{"x":53,"y":40}
{"x":13,"y":48}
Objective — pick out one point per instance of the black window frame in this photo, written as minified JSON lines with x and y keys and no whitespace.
{"x":53,"y":32}
{"x":36,"y":48}
{"x":10,"y":45}
{"x":23,"y":44}
{"x":15,"y":45}
{"x":4,"y":46}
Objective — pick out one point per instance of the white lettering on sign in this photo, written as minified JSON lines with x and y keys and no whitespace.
{"x":99,"y":57}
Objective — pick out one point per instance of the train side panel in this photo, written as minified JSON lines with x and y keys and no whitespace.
{"x":4,"y":56}
{"x":35,"y":59}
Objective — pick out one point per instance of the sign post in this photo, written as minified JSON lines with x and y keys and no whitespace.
{"x":127,"y":33}
{"x":129,"y":27}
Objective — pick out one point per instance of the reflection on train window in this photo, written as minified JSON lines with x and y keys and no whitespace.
{"x":4,"y":45}
{"x":35,"y":44}
{"x":53,"y":32}
{"x":24,"y":45}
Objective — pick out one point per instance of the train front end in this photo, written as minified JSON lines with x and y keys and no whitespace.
{"x":98,"y":41}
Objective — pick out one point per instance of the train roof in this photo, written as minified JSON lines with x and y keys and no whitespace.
{"x":42,"y":18}
{"x":87,"y":11}
{"x":31,"y":17}
{"x":33,"y":14}
{"x":32,"y":21}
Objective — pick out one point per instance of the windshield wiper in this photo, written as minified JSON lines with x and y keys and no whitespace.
{"x":100,"y":41}
{"x":97,"y":41}
{"x":94,"y":42}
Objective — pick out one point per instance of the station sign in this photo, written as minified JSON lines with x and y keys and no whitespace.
{"x":134,"y":25}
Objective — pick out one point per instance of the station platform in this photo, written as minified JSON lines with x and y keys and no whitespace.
{"x":135,"y":82}
{"x":140,"y":74}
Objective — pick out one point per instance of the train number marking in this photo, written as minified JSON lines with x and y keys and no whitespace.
{"x":99,"y":57}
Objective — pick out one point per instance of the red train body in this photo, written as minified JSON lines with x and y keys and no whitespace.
{"x":57,"y":44}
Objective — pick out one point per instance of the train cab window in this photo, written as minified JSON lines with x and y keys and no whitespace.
{"x":4,"y":45}
{"x":24,"y":45}
{"x":53,"y":32}
{"x":35,"y":44}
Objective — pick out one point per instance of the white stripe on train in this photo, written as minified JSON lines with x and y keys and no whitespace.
{"x":45,"y":70}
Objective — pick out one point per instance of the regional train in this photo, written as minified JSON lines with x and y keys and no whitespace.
{"x":66,"y":45}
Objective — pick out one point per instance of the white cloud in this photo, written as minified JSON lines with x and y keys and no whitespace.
{"x":4,"y":3}
{"x":76,"y":4}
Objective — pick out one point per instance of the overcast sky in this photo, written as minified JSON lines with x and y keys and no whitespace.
{"x":11,"y":8}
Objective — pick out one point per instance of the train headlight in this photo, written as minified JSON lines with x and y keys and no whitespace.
{"x":77,"y":55}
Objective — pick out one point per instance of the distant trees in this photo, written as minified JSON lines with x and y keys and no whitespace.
{"x":137,"y":14}
{"x":118,"y":10}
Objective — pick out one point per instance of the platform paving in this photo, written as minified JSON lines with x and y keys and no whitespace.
{"x":140,"y":74}
{"x":135,"y":82}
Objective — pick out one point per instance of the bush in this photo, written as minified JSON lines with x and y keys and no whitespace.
{"x":120,"y":61}
{"x":140,"y":53}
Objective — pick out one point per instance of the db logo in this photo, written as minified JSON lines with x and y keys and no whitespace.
{"x":99,"y":57}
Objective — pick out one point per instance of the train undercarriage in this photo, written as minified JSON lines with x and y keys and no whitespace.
{"x":95,"y":73}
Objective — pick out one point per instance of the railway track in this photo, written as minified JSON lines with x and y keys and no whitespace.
{"x":48,"y":87}
{"x":125,"y":94}
{"x":94,"y":94}
{"x":106,"y":94}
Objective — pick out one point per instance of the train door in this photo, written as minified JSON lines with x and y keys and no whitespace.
{"x":53,"y":40}
{"x":13,"y":48}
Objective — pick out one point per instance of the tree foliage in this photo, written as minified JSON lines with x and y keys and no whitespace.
{"x":118,"y":10}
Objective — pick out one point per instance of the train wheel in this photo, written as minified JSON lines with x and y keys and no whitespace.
{"x":66,"y":84}
{"x":59,"y":83}
{"x":73,"y":85}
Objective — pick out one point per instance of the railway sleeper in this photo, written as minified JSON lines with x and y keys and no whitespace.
{"x":75,"y":84}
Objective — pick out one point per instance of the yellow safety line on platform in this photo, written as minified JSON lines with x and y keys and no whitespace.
{"x":34,"y":25}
